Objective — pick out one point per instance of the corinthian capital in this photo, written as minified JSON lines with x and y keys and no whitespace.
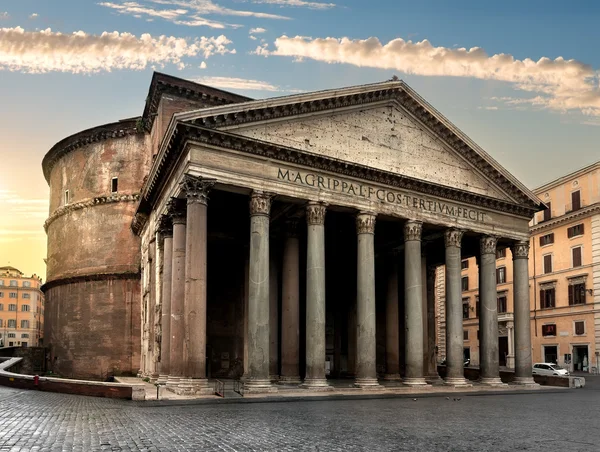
{"x":365,"y":223}
{"x":412,"y":230}
{"x":260,"y":203}
{"x":453,"y":237}
{"x":196,"y":188}
{"x":165,"y":226}
{"x":315,"y":212}
{"x":176,"y":210}
{"x":487,"y":244}
{"x":520,"y":250}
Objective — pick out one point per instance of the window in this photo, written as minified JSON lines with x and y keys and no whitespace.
{"x":577,"y":294}
{"x":11,"y":334}
{"x":576,"y":200}
{"x":502,"y":304}
{"x":24,"y":323}
{"x":26,"y":295}
{"x":500,"y":275}
{"x":25,"y":336}
{"x":114,"y":185}
{"x":23,"y":344}
{"x":548,"y":263}
{"x":579,"y":328}
{"x":574,"y":231}
{"x":0,"y":323}
{"x":1,"y":294}
{"x":26,"y":284}
{"x":1,"y":306}
{"x":547,"y":298}
{"x":576,"y":254}
{"x":549,"y":330}
{"x":12,"y":323}
{"x":66,"y":197}
{"x":477,"y":309}
{"x":13,"y":283}
{"x":465,"y":308}
{"x":547,"y":239}
{"x":465,"y":335}
{"x":25,"y":307}
{"x":547,"y":212}
{"x":465,"y":283}
{"x":464,"y":264}
{"x":1,"y":282}
{"x":500,"y":253}
{"x":12,"y":307}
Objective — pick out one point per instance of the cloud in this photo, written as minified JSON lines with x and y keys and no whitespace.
{"x":297,"y":3}
{"x":203,"y":65}
{"x":15,"y":206}
{"x":34,"y":15}
{"x":558,"y":84}
{"x":254,"y":31}
{"x":46,"y":51}
{"x":136,"y":8}
{"x":241,"y":83}
{"x":4,"y":15}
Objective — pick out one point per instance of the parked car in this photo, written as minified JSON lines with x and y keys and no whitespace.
{"x":549,"y":369}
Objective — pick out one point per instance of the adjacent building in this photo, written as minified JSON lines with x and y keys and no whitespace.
{"x":564,"y":283}
{"x":21,"y":309}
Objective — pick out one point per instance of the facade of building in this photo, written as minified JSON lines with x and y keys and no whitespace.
{"x":21,"y":309}
{"x":564,"y":270}
{"x":298,"y":237}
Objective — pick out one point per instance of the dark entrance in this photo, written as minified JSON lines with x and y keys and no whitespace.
{"x":550,"y":354}
{"x":503,"y":349}
{"x":581,"y":360}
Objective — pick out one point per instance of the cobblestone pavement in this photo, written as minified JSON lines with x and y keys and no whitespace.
{"x":39,"y":421}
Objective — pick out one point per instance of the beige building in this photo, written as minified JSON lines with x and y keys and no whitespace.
{"x":564,"y":268}
{"x":21,"y":309}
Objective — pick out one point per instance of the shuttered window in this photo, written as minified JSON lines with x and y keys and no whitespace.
{"x":548,"y":211}
{"x":577,"y":294}
{"x":576,"y":252}
{"x":576,"y":200}
{"x":574,"y":231}
{"x":547,"y":239}
{"x":548,"y":263}
{"x":547,"y":298}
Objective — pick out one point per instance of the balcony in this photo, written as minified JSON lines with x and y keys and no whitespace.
{"x":506,"y":317}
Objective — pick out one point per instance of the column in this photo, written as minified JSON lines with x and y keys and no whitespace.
{"x":366,"y":342}
{"x":425,"y":329}
{"x":274,"y":316}
{"x":392,"y":324}
{"x":510,"y":358}
{"x":489,"y":364}
{"x":176,"y":209}
{"x":290,"y":307}
{"x":196,"y":190}
{"x":454,"y":322}
{"x":413,"y":304}
{"x":315,"y":297}
{"x":432,"y":375}
{"x":520,"y":253}
{"x":257,"y":379}
{"x":166,"y":235}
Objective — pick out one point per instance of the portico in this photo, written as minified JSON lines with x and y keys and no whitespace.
{"x":333,"y":209}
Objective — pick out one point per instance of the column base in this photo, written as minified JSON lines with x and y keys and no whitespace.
{"x":458,"y":382}
{"x":492,"y":381}
{"x":193,"y":386}
{"x":434,"y":379}
{"x":172,"y":382}
{"x":274,"y":378}
{"x":525,"y":381}
{"x":162,"y":379}
{"x":316,"y":384}
{"x":367,"y":383}
{"x":154,"y":378}
{"x":289,"y":380}
{"x":414,"y":381}
{"x":392,"y":377}
{"x":258,"y":386}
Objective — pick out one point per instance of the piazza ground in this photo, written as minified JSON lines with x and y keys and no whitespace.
{"x":540,"y":421}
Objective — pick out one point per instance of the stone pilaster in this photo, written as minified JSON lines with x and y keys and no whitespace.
{"x":510,"y":358}
{"x":413,"y":304}
{"x":315,"y":297}
{"x":454,"y":321}
{"x":290,"y":307}
{"x":258,"y":379}
{"x":366,"y":370}
{"x":166,"y":236}
{"x":392,"y":324}
{"x":523,"y":362}
{"x":432,"y":376}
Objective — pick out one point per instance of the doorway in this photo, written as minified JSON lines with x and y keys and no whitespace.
{"x":502,"y":349}
{"x":551,"y":354}
{"x":581,"y":359}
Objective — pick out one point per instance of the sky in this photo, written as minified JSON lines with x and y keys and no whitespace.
{"x":521,"y":78}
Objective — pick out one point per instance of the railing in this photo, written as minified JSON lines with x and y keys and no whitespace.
{"x":237,"y":387}
{"x":220,"y":388}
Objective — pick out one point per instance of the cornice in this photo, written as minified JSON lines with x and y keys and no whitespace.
{"x":90,"y":277}
{"x":566,"y":218}
{"x":95,"y":134}
{"x":93,"y":202}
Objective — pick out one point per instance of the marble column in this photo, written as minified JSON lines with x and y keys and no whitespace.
{"x":413,"y":304}
{"x":489,"y":364}
{"x":166,"y":234}
{"x":424,"y":314}
{"x":315,"y":297}
{"x":432,"y":375}
{"x":523,"y":363}
{"x":196,"y":190}
{"x":258,"y":379}
{"x":454,"y":321}
{"x":366,"y":344}
{"x":392,"y":325}
{"x":274,"y":316}
{"x":510,"y":358}
{"x":176,"y":330}
{"x":290,"y":307}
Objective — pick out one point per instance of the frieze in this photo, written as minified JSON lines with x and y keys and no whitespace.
{"x":487,"y":244}
{"x":315,"y":213}
{"x":520,"y":250}
{"x":412,"y":230}
{"x":99,"y":200}
{"x":260,"y":203}
{"x":196,"y":189}
{"x":365,"y":223}
{"x":453,"y":237}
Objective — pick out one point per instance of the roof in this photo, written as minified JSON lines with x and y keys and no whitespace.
{"x":8,"y":267}
{"x":562,"y":179}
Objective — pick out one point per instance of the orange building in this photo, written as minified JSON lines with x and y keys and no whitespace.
{"x":564,"y":271}
{"x":21,"y":309}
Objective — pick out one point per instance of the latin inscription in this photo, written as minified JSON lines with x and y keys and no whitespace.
{"x":379,"y":194}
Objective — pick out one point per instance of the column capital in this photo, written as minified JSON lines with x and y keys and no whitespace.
{"x":453,"y":237}
{"x":510,"y":325}
{"x":315,"y":212}
{"x":365,"y":223}
{"x":165,"y":226}
{"x":520,"y":250}
{"x":176,"y":210}
{"x":487,"y":244}
{"x":260,"y":203}
{"x":413,"y":230}
{"x":196,"y":188}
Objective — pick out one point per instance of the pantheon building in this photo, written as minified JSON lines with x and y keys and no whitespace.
{"x":284,"y":241}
